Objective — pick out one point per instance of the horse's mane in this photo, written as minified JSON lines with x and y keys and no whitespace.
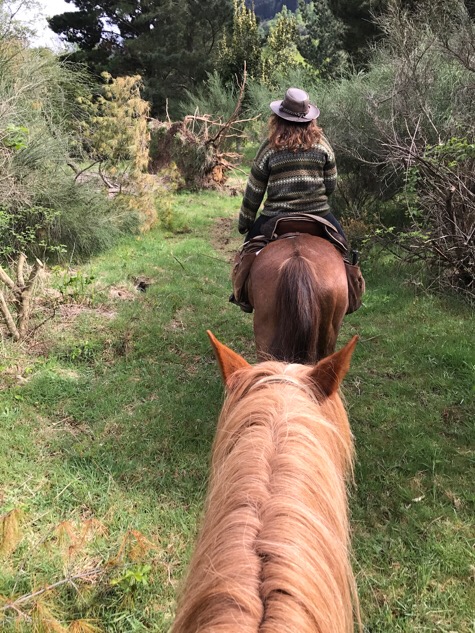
{"x":273,"y":552}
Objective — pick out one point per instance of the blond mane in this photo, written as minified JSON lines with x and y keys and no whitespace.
{"x":273,"y":554}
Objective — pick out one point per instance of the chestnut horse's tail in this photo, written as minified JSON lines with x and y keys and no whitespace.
{"x":297,"y":312}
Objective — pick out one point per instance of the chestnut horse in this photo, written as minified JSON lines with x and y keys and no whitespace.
{"x":273,"y":554}
{"x":299,"y":290}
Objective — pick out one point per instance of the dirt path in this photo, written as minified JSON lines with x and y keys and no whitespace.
{"x":224,"y":238}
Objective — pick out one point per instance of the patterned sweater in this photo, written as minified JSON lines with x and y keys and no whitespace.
{"x":296,"y":182}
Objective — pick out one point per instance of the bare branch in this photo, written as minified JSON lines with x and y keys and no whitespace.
{"x":237,"y":108}
{"x":9,"y":320}
{"x":24,"y":309}
{"x":80,"y":172}
{"x":70,"y":580}
{"x":107,"y":182}
{"x":40,"y":325}
{"x":19,"y":271}
{"x":6,"y":279}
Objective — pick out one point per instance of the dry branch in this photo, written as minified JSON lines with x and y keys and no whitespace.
{"x":199,"y":145}
{"x":6,"y":279}
{"x":21,"y":301}
{"x":8,"y":318}
{"x":233,"y":118}
{"x":69,"y":580}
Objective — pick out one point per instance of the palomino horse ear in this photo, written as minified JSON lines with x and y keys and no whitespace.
{"x":328,"y":373}
{"x":228,"y":360}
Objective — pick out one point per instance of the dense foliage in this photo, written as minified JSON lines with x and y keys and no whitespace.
{"x":55,"y":123}
{"x":402,"y":128}
{"x":357,"y":17}
{"x":405,"y":135}
{"x":266,"y":9}
{"x":171,"y":44}
{"x":42,"y":209}
{"x":174,"y":44}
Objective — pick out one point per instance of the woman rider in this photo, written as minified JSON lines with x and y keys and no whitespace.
{"x":296,"y":166}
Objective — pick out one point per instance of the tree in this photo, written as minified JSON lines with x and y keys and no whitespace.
{"x":430,"y":136}
{"x":362,"y":29}
{"x":320,"y":39}
{"x":116,"y":136}
{"x":170,"y":43}
{"x":281,"y":53}
{"x":405,"y":136}
{"x":199,"y":145}
{"x":241,"y":47}
{"x":44,"y":209}
{"x":267,"y":9}
{"x":115,"y":130}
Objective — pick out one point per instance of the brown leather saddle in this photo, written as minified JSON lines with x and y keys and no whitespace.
{"x":286,"y":226}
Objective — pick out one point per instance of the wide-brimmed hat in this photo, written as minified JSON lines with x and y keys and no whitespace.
{"x":295,"y":106}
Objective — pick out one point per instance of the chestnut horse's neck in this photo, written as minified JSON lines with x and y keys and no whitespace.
{"x":273,"y":553}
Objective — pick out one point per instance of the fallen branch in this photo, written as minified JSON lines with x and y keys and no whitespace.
{"x":9,"y":320}
{"x":24,"y":310}
{"x":87,"y":575}
{"x":40,"y":325}
{"x":237,"y":109}
{"x":22,"y":292}
{"x":199,"y":144}
{"x":79,"y":172}
{"x":6,"y":279}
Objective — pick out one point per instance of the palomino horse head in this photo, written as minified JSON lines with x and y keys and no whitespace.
{"x":273,"y":554}
{"x":299,"y":290}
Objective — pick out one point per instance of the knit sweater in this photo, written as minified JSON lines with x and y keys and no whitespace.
{"x":296,"y":182}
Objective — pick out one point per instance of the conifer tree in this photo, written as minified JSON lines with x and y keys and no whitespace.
{"x":320,"y":39}
{"x":170,"y":43}
{"x":242,"y":47}
{"x":281,"y":51}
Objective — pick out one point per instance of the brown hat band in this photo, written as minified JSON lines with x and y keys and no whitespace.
{"x":301,"y":115}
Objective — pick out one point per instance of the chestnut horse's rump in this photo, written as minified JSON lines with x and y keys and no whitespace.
{"x":299,"y":290}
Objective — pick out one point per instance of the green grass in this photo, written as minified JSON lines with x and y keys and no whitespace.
{"x":107,"y":419}
{"x":411,"y":406}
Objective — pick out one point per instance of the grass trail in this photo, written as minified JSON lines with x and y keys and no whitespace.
{"x":106,"y":423}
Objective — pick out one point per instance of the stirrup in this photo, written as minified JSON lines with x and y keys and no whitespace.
{"x":245,"y":307}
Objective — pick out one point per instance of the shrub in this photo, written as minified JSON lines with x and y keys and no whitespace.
{"x":114,"y":127}
{"x":404,"y":134}
{"x":45,"y":209}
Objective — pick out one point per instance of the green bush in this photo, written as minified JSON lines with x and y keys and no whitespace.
{"x":45,"y":209}
{"x":383,"y":123}
{"x":89,"y":222}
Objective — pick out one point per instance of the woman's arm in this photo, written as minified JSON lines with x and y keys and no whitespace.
{"x":255,"y":189}
{"x":330,"y":175}
{"x":329,"y":170}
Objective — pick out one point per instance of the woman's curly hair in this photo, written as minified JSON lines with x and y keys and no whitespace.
{"x":285,"y":134}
